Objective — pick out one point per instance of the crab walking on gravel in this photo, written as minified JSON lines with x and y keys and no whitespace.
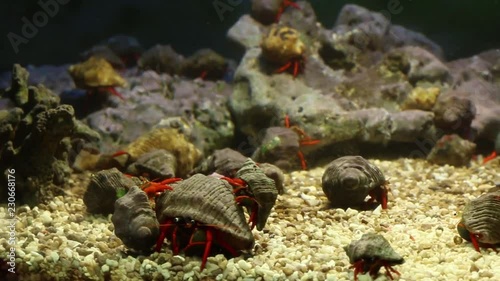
{"x":348,"y":180}
{"x":370,"y":253}
{"x":201,"y":213}
{"x":480,"y":222}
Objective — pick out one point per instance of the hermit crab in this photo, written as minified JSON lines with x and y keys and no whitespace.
{"x":97,"y":75}
{"x":201,"y":213}
{"x":281,"y":143}
{"x":480,"y":222}
{"x":255,"y":190}
{"x":348,"y":180}
{"x":282,"y":46}
{"x":370,"y":253}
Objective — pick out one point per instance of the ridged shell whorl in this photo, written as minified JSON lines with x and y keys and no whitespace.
{"x":134,"y":220}
{"x":372,"y":246}
{"x":348,"y":180}
{"x":482,"y":216}
{"x":207,"y":200}
{"x":262,"y":187}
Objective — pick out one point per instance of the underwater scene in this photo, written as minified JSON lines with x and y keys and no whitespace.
{"x":247,"y":140}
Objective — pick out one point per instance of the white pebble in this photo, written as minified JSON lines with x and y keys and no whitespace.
{"x":104,"y":268}
{"x":244,"y":265}
{"x":46,"y":217}
{"x":54,"y":256}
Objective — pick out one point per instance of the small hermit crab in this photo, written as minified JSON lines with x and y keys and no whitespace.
{"x":480,"y":222}
{"x":370,"y":253}
{"x":97,"y":74}
{"x":201,"y":213}
{"x":282,"y":46}
{"x":348,"y":180}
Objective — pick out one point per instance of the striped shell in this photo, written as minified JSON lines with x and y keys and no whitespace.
{"x":348,"y":180}
{"x":210,"y":201}
{"x":482,"y":217}
{"x":372,"y":247}
{"x":262,"y":187}
{"x":134,"y":220}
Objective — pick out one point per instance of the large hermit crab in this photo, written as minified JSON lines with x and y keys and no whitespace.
{"x":480,"y":222}
{"x":348,"y":180}
{"x":201,"y":213}
{"x":282,"y":46}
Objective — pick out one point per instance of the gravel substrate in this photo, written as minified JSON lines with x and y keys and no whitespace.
{"x":303,"y":238}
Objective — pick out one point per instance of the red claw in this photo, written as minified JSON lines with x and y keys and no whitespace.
{"x":284,"y":5}
{"x":490,"y":157}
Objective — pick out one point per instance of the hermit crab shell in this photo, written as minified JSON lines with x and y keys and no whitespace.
{"x":135,"y":221}
{"x":103,"y":190}
{"x":348,"y":180}
{"x":262,"y":187}
{"x":94,"y":73}
{"x":207,"y":200}
{"x":282,"y":44}
{"x":371,"y":247}
{"x":186,"y":154}
{"x":157,"y":164}
{"x":223,"y":161}
{"x":482,"y":217}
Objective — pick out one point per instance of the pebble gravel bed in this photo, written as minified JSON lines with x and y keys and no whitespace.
{"x":303,"y":238}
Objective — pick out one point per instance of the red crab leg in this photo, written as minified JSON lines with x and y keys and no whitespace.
{"x":389,"y":268}
{"x":309,"y":142}
{"x":203,"y":75}
{"x":161,"y":238}
{"x":155,"y":187}
{"x":295,"y":68}
{"x":208,"y":245}
{"x":357,"y":268}
{"x":285,"y":4}
{"x":287,"y":121}
{"x":474,"y":241}
{"x":303,"y":162}
{"x":235,"y":181}
{"x":114,"y":92}
{"x":284,"y":67}
{"x":490,"y":157}
{"x":119,"y":153}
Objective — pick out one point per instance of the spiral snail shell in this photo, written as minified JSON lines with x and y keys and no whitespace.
{"x":348,"y":180}
{"x":262,"y":187}
{"x":480,"y":222}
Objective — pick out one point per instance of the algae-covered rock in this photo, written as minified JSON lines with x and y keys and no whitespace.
{"x":35,"y":140}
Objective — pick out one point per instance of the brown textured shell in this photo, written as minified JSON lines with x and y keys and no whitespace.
{"x":223,"y":161}
{"x":210,"y":201}
{"x":262,"y":187}
{"x":134,"y":220}
{"x":94,"y":73}
{"x":186,"y":154}
{"x":102,"y":190}
{"x":348,"y":180}
{"x":157,"y":164}
{"x":282,"y":44}
{"x":372,"y":247}
{"x":482,"y":216}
